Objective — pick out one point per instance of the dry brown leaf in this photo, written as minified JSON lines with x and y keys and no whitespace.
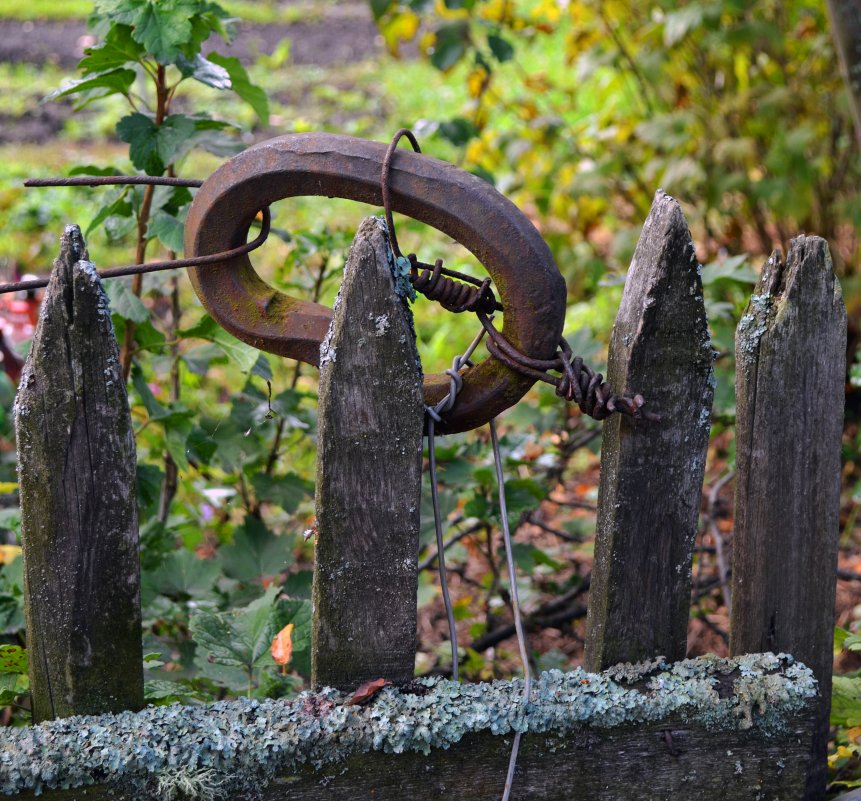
{"x":367,"y":691}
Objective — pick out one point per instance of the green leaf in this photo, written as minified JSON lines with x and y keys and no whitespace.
{"x":169,"y":230}
{"x":204,"y":71}
{"x":153,"y":147}
{"x":734,"y":268}
{"x":501,"y":48}
{"x":527,"y":556}
{"x":111,"y":82}
{"x":255,"y":552}
{"x":149,"y":485}
{"x":163,"y":27}
{"x":118,"y":49}
{"x":241,"y":84}
{"x":119,"y":207}
{"x":183,"y":575}
{"x":288,"y":491}
{"x":177,"y":428}
{"x":13,"y":659}
{"x":11,"y":686}
{"x":124,"y":302}
{"x":450,"y":46}
{"x":93,"y":169}
{"x":846,"y":701}
{"x":239,"y":637}
{"x":458,"y":130}
{"x":379,"y":8}
{"x":160,"y":691}
{"x":243,"y":355}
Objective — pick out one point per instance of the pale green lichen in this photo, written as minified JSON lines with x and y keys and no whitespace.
{"x":226,"y":748}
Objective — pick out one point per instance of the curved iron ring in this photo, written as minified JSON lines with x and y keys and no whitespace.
{"x":434,"y":192}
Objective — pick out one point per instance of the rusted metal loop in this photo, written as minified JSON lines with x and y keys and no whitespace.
{"x":459,"y":204}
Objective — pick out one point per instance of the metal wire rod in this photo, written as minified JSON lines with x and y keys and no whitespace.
{"x":515,"y":602}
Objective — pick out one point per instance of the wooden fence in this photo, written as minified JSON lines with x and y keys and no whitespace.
{"x":745,"y":728}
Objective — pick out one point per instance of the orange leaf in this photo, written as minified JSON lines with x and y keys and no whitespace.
{"x":282,"y":646}
{"x":366,"y":691}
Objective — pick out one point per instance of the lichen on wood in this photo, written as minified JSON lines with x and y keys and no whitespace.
{"x":277,"y":749}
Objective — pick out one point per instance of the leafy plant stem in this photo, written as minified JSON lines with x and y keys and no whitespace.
{"x":162,"y":93}
{"x":171,"y":472}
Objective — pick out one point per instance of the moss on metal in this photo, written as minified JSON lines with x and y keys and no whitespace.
{"x":226,"y":748}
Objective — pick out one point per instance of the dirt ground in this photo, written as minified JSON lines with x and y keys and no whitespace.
{"x":345,"y":34}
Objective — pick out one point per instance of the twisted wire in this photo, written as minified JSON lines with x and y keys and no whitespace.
{"x":578,"y":383}
{"x":454,"y":296}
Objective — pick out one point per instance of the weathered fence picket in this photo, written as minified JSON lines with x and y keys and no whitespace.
{"x":790,"y":368}
{"x":652,"y":474}
{"x":369,"y":466}
{"x":733,"y":729}
{"x":76,"y":463}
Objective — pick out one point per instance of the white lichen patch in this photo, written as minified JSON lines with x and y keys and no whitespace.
{"x":237,"y":746}
{"x":381,"y":324}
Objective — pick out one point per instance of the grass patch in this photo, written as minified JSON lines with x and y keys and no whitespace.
{"x":46,"y":9}
{"x":253,"y":11}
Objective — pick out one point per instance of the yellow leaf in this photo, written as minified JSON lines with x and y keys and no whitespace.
{"x":9,"y":553}
{"x":282,"y":646}
{"x":8,"y":487}
{"x":401,"y":28}
{"x":442,"y":10}
{"x":477,"y":81}
{"x":494,"y":11}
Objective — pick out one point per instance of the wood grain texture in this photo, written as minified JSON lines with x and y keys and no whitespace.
{"x":368,"y":478}
{"x":651,"y":473}
{"x":76,"y":467}
{"x":633,"y":764}
{"x":790,"y":357}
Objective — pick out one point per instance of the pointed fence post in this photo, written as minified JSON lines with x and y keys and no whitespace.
{"x":652,"y":473}
{"x":790,"y":372}
{"x":369,"y":461}
{"x":76,"y":468}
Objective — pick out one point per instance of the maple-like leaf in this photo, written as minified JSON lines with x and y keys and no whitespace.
{"x":282,"y":646}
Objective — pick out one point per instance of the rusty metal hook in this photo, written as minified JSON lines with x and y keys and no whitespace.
{"x":434,"y":192}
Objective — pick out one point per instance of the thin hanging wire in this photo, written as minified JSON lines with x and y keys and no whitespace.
{"x":433,"y":413}
{"x":515,"y":602}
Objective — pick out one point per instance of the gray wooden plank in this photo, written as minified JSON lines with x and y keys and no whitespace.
{"x":791,"y":362}
{"x":368,"y":477}
{"x":651,"y":473}
{"x":76,"y":467}
{"x":705,"y":728}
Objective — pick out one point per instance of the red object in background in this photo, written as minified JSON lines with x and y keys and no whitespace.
{"x":18,"y":315}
